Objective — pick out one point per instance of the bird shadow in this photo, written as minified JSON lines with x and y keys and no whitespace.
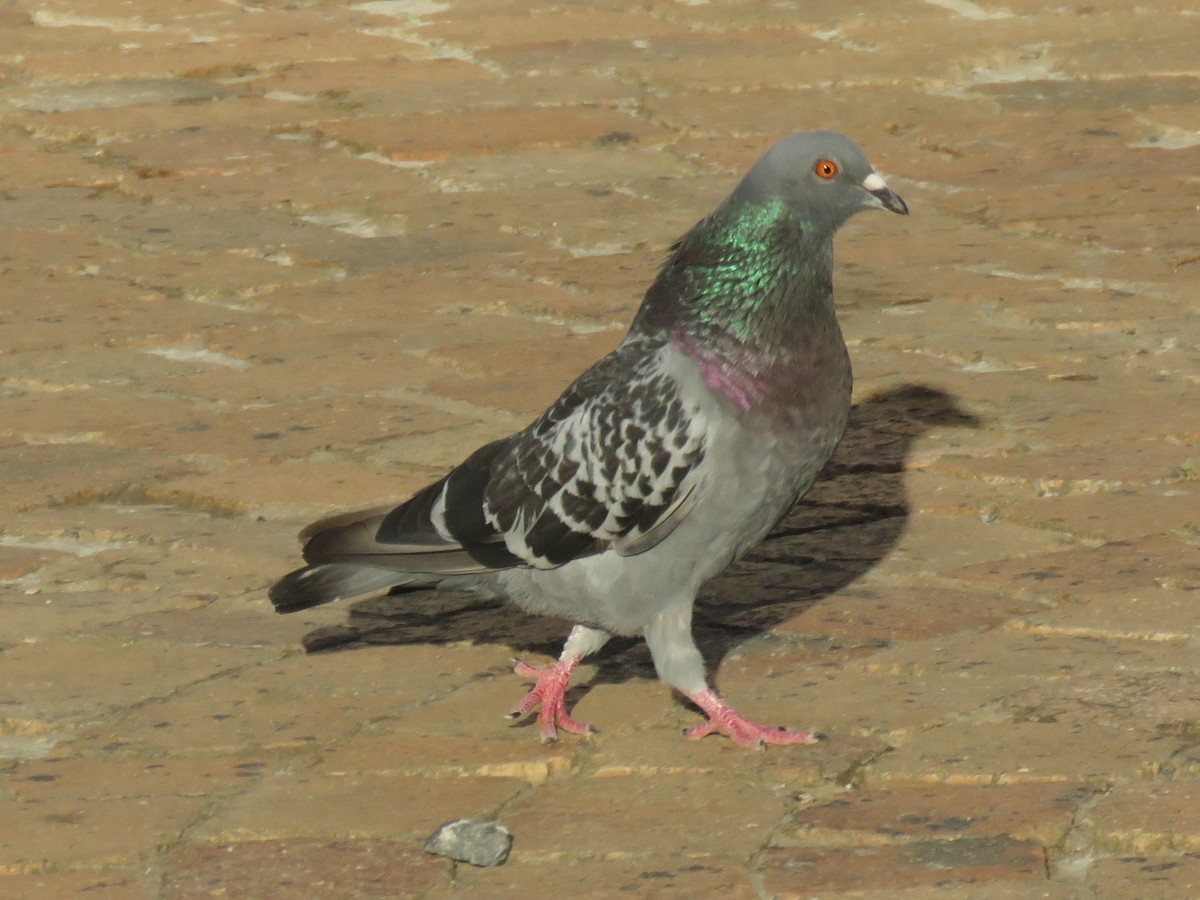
{"x":847,"y":523}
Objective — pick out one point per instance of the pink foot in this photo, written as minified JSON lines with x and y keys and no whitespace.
{"x":549,"y":693}
{"x":724,"y":720}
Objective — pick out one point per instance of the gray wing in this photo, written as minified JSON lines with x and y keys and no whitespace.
{"x":607,"y":465}
{"x":612,"y":464}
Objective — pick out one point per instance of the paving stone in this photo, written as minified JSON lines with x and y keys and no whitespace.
{"x":442,"y":755}
{"x":862,"y":698}
{"x":607,"y":817}
{"x":231,"y":54}
{"x":1169,"y":876}
{"x":1041,"y":812}
{"x":990,"y":890}
{"x":1146,"y":819}
{"x":264,"y":706}
{"x":28,"y":163}
{"x":124,"y":571}
{"x":528,"y":27}
{"x":250,"y":434}
{"x":37,"y":613}
{"x":113,"y":95}
{"x":1123,"y":514}
{"x":313,"y":803}
{"x":642,"y":171}
{"x":61,"y":833}
{"x":305,"y":867}
{"x":980,"y":654}
{"x":232,"y":164}
{"x":1020,"y":752}
{"x":427,"y":138}
{"x":55,"y":678}
{"x":233,"y":624}
{"x":356,"y":80}
{"x":477,"y":709}
{"x":889,"y":612}
{"x":1157,"y":703}
{"x":63,"y":777}
{"x":1157,"y":614}
{"x":922,"y":548}
{"x":804,"y":872}
{"x":294,"y":489}
{"x":1153,"y":561}
{"x":619,"y":705}
{"x":16,"y":561}
{"x":262,"y":265}
{"x":651,"y":876}
{"x":84,"y":113}
{"x":666,"y":751}
{"x":110,"y":884}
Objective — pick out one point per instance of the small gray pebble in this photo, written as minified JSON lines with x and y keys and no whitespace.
{"x":477,"y":843}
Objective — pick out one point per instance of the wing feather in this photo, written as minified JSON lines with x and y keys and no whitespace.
{"x":605,"y":463}
{"x":610,"y":464}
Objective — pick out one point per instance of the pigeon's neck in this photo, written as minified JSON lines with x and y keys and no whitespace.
{"x":748,"y":292}
{"x":756,"y":274}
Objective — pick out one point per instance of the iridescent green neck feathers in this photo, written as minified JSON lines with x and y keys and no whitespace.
{"x":754,"y":274}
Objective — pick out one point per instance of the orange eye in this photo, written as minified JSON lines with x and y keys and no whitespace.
{"x":825,"y":168}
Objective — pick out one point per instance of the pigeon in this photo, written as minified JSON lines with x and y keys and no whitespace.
{"x":663,"y":463}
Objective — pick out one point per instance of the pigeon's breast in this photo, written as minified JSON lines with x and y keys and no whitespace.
{"x":798,"y":388}
{"x":771,"y":432}
{"x":756,"y":464}
{"x":760,"y":457}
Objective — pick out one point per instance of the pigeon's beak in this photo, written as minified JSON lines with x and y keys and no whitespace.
{"x":883,"y":196}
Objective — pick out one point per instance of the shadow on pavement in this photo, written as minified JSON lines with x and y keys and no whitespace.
{"x":846,"y":524}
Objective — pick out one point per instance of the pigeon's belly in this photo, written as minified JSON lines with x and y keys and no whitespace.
{"x":753,"y":471}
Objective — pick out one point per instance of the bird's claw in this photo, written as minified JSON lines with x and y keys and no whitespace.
{"x":747,"y":734}
{"x":724,"y":720}
{"x":549,"y":693}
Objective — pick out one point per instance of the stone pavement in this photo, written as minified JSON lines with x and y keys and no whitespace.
{"x":266,"y":260}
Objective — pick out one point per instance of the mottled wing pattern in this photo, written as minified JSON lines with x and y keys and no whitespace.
{"x":442,"y":528}
{"x":606,"y":465}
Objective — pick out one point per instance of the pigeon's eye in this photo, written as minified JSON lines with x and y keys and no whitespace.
{"x":825,"y":168}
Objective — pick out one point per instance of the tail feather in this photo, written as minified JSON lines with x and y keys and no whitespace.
{"x":326,"y":582}
{"x":440,"y":535}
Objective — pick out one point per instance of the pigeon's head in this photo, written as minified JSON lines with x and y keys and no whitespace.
{"x":821,"y":174}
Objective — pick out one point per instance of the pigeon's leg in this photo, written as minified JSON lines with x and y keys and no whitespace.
{"x":549,"y":691}
{"x":679,"y":664}
{"x":724,"y":720}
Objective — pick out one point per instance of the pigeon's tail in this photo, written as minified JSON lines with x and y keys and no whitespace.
{"x":327,"y":582}
{"x":375,"y":549}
